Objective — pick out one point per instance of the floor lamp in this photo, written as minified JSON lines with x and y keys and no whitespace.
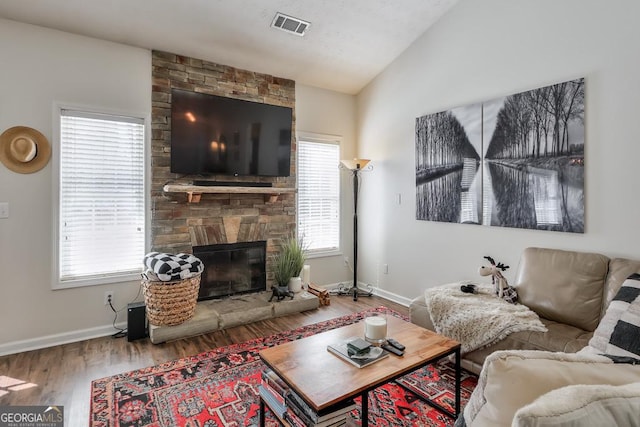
{"x":355,"y":166}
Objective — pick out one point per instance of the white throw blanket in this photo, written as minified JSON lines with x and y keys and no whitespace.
{"x":477,"y":320}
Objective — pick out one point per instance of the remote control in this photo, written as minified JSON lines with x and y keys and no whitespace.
{"x":396,"y":344}
{"x":392,"y":349}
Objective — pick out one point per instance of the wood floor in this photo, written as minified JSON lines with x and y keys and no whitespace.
{"x":63,"y":374}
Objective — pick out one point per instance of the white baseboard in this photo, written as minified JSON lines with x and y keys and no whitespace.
{"x":392,"y":297}
{"x":58,"y":339}
{"x":376,"y":291}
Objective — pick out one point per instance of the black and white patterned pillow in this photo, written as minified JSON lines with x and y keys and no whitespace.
{"x":618,"y":333}
{"x":169,"y":267}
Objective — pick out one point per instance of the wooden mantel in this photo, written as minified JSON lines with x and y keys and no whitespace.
{"x":194,"y":192}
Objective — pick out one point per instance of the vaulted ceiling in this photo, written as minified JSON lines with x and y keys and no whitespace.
{"x":347,"y":44}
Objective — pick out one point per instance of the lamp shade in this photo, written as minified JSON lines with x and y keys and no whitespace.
{"x":355,"y":163}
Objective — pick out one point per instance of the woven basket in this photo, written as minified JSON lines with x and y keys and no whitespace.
{"x":170,"y":303}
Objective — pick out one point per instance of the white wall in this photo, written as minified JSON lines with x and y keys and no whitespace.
{"x":321,"y":111}
{"x":39,"y":68}
{"x":478,"y":51}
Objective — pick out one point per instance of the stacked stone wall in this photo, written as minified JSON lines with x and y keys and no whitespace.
{"x":176,"y":225}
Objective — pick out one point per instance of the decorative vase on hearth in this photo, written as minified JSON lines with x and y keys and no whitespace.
{"x":295,"y":284}
{"x":288,"y":263}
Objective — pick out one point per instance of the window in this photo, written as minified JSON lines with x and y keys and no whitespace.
{"x":319,"y":195}
{"x":101,"y":209}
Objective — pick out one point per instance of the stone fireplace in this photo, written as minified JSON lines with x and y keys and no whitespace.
{"x":217,"y":218}
{"x":222,"y":219}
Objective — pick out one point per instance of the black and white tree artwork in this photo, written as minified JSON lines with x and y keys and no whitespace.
{"x":447,"y":163}
{"x":516,"y":161}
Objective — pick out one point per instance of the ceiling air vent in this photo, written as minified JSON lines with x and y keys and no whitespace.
{"x":290,"y":24}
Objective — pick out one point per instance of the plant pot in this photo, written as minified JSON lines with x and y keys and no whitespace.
{"x":295,"y":284}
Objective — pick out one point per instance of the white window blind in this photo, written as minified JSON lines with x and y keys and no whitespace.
{"x":319,"y":195}
{"x":101,"y":196}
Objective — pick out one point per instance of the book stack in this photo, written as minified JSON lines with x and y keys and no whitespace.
{"x":299,"y":414}
{"x":274,"y":391}
{"x":290,"y":407}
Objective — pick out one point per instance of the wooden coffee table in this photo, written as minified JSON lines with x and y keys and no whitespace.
{"x":323,"y":379}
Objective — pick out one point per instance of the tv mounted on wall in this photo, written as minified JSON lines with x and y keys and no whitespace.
{"x":214,"y":135}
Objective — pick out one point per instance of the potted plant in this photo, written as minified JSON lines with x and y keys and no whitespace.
{"x":288,"y":264}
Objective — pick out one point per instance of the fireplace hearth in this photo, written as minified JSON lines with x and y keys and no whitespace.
{"x":232,"y":269}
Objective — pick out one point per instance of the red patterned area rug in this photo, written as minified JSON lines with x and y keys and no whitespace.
{"x":219,"y":388}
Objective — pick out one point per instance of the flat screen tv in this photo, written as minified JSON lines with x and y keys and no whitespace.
{"x":214,"y":135}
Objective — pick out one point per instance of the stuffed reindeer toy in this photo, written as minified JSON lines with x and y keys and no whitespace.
{"x":500,"y":285}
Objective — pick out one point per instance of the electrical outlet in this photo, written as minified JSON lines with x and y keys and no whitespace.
{"x":4,"y":209}
{"x":108,"y":296}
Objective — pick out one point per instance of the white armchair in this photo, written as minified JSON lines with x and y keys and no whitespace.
{"x":538,"y":388}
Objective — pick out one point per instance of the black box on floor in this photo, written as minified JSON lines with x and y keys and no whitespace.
{"x":136,"y":321}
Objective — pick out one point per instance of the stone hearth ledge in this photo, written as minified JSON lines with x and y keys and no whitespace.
{"x":213,"y":315}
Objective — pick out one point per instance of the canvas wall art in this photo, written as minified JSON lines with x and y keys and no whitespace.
{"x":516,"y":161}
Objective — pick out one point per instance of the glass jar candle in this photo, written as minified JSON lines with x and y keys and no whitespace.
{"x":375,"y":328}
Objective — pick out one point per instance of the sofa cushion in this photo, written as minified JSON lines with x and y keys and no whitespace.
{"x":582,"y":405}
{"x":618,"y":333}
{"x":558,"y":338}
{"x":512,"y":379}
{"x":619,"y":270}
{"x":563,"y":286}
